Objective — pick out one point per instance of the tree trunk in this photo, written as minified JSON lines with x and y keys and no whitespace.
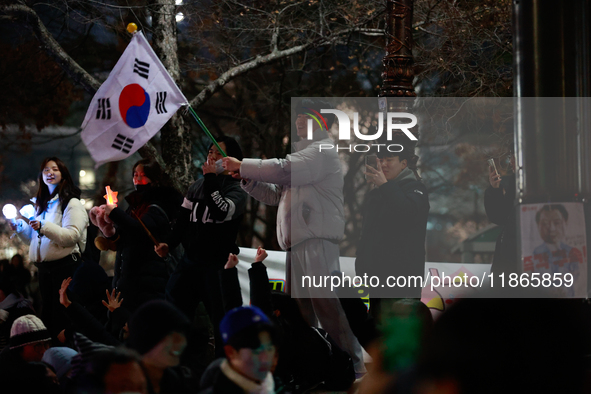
{"x":176,"y":142}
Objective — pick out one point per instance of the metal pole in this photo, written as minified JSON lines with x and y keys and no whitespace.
{"x":545,"y":65}
{"x":552,"y":115}
{"x":398,"y":63}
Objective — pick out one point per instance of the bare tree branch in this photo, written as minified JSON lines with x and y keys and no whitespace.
{"x":52,"y":47}
{"x":259,"y":61}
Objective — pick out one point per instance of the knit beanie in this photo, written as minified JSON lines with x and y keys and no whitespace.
{"x":27,"y":329}
{"x":240,"y":318}
{"x":153,"y":321}
{"x":60,"y":358}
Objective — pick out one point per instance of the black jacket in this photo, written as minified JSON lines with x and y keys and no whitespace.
{"x":214,"y":381}
{"x":393,"y":234}
{"x":309,"y":358}
{"x":173,"y":381}
{"x":20,"y":307}
{"x":210,"y":218}
{"x":500,"y":209}
{"x":140,"y":274}
{"x":85,"y":323}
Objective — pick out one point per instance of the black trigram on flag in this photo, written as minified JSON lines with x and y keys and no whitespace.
{"x":122,"y":143}
{"x":141,"y":68}
{"x":160,"y":100}
{"x":104,"y":109}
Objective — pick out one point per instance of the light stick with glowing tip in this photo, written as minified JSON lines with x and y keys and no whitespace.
{"x":9,"y":212}
{"x":111,"y":196}
{"x":28,"y":211}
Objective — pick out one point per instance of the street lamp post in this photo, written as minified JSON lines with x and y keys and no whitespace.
{"x":397,"y":93}
{"x":398,"y":63}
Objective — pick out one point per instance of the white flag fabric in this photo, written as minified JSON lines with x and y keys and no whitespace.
{"x":131,"y":106}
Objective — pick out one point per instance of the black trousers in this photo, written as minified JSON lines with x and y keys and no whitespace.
{"x":219,"y":290}
{"x":51,"y":275}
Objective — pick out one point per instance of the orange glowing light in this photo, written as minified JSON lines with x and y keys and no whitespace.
{"x":111,"y":196}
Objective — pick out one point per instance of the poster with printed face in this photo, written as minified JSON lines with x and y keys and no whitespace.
{"x":554,"y":246}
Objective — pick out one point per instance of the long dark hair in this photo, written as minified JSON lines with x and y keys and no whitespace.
{"x":66,"y":188}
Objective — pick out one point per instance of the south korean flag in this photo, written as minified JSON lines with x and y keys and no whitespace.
{"x":131,"y":106}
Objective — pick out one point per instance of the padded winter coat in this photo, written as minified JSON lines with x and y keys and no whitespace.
{"x":140,"y":275}
{"x":308,"y":188}
{"x":61,"y":233}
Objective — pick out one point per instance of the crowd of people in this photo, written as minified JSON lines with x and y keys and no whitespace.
{"x":145,"y":329}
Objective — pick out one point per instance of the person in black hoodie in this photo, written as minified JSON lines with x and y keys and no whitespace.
{"x":394,"y":225}
{"x":207,"y":227}
{"x":140,"y":274}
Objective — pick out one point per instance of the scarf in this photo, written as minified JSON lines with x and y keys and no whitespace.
{"x":249,"y":386}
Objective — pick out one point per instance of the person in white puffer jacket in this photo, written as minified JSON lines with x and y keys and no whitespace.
{"x":56,"y":236}
{"x":308,"y":188}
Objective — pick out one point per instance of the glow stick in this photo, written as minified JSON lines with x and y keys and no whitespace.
{"x":28,"y":211}
{"x":111,"y":196}
{"x":9,"y":212}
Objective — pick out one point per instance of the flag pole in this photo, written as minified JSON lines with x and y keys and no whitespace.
{"x":202,"y":125}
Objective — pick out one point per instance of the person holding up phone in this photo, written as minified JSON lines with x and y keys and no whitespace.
{"x":394,"y":224}
{"x":499,"y":206}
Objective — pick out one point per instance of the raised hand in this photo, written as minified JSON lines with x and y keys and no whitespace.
{"x":209,"y":167}
{"x":64,"y":300}
{"x":261,"y":255}
{"x":375,"y":176}
{"x":232,"y":261}
{"x":113,"y":302}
